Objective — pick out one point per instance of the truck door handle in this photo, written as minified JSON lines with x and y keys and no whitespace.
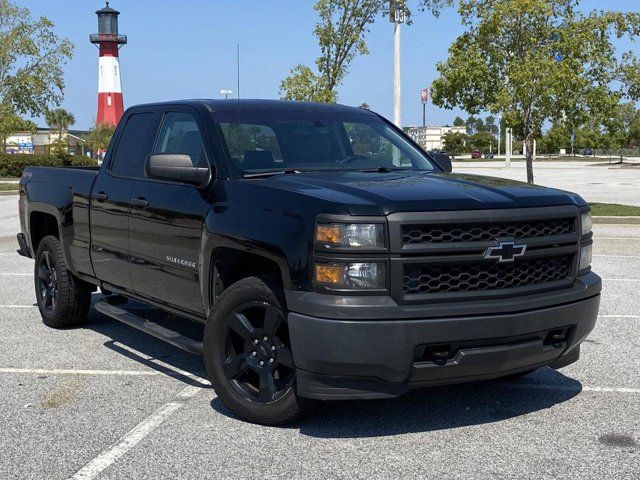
{"x":140,"y":202}
{"x":101,"y":196}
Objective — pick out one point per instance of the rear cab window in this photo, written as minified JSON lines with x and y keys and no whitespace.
{"x":134,"y":144}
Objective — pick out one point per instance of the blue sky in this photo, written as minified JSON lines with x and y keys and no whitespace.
{"x":187,"y":49}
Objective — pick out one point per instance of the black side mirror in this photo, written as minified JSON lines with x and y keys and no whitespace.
{"x":177,"y":168}
{"x":444,"y":161}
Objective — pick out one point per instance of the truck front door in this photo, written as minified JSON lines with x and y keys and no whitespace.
{"x":111,"y":195}
{"x":167,"y":221}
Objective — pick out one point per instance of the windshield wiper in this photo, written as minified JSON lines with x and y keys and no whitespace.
{"x":268,"y":174}
{"x":383,"y":169}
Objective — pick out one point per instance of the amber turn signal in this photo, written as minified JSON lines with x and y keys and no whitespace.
{"x":329,"y":234}
{"x":329,"y":274}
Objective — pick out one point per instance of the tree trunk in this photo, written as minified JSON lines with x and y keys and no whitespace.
{"x":528,"y":141}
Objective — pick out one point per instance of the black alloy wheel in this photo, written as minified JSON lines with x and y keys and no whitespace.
{"x":63,"y":300}
{"x":255,"y":352}
{"x":47,"y":282}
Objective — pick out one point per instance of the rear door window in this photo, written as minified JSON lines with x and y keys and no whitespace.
{"x":134,"y":145}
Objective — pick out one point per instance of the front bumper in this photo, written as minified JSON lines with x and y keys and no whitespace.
{"x":347,"y":359}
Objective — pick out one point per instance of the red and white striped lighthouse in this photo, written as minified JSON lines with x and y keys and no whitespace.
{"x":110,"y":105}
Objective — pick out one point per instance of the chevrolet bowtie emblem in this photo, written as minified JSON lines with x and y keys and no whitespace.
{"x":505,"y":251}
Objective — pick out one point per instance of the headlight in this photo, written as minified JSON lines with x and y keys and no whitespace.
{"x":356,"y":276}
{"x":585,"y":221}
{"x":585,"y":257}
{"x":350,"y":235}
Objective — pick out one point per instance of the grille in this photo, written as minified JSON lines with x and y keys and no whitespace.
{"x":485,"y":275}
{"x":471,"y":232}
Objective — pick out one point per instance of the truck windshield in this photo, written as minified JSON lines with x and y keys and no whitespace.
{"x":306,"y":141}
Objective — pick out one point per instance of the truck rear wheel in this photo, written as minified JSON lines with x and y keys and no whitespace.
{"x":63,"y":300}
{"x":248,"y":355}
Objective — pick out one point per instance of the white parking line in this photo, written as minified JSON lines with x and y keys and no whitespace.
{"x":16,"y":274}
{"x":44,"y":371}
{"x":134,"y":436}
{"x":566,"y":388}
{"x":618,"y":316}
{"x":616,"y":238}
{"x":616,"y":256}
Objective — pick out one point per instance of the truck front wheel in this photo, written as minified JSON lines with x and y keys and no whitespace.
{"x":63,"y":300}
{"x":248,"y":355}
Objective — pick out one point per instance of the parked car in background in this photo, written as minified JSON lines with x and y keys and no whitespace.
{"x":476,"y":154}
{"x":488,"y":155}
{"x":587,"y":152}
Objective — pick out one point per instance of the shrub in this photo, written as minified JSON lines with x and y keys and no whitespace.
{"x":12,"y":165}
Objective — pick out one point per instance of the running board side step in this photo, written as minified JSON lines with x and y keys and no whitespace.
{"x":153,"y":329}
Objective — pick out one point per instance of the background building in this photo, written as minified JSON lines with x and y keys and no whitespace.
{"x":40,"y":141}
{"x":432,"y":136}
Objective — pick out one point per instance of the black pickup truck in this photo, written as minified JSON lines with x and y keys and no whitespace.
{"x":328,"y":256}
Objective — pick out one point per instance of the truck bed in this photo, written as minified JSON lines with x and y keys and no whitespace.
{"x":64,"y":193}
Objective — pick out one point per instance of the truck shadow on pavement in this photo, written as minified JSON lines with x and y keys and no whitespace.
{"x":150,"y":351}
{"x":442,"y":408}
{"x":430,"y":409}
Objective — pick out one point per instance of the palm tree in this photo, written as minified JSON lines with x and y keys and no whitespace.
{"x":60,"y":119}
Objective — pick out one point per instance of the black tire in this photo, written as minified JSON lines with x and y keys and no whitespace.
{"x":246,"y":331}
{"x":63,"y":300}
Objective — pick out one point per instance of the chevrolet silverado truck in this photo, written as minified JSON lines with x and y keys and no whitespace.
{"x":326,"y":254}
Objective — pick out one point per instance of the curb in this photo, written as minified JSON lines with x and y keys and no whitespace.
{"x":8,"y":192}
{"x":616,"y":220}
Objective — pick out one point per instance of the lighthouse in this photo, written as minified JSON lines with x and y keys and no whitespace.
{"x":108,"y":40}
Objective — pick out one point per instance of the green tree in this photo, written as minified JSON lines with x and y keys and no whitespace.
{"x":31,"y":60}
{"x":455,"y":143}
{"x":470,"y":123}
{"x":458,"y":122}
{"x":99,"y":137}
{"x":341,"y":35}
{"x":555,"y":138}
{"x":10,"y":122}
{"x":59,"y":119}
{"x":481,"y":140}
{"x":490,"y":124}
{"x":538,"y":60}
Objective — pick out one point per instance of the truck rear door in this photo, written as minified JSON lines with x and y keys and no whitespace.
{"x":167,"y":220}
{"x":111,"y":196}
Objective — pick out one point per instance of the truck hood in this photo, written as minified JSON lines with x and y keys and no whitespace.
{"x":382,"y":193}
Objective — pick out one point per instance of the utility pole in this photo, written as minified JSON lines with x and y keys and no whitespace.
{"x":499,"y":133}
{"x":238,"y":62}
{"x":424,"y":96}
{"x":508,"y":148}
{"x":397,"y":88}
{"x":397,"y":16}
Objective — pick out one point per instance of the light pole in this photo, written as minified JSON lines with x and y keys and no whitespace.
{"x":424,"y":96}
{"x":397,"y":17}
{"x":226,"y":93}
{"x":499,"y":133}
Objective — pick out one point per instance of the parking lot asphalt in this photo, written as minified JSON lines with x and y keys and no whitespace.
{"x":106,"y":401}
{"x":595,"y":180}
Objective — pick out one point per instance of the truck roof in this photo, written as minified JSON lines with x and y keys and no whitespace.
{"x":235,"y":105}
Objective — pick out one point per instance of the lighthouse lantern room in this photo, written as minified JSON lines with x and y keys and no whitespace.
{"x":110,"y":105}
